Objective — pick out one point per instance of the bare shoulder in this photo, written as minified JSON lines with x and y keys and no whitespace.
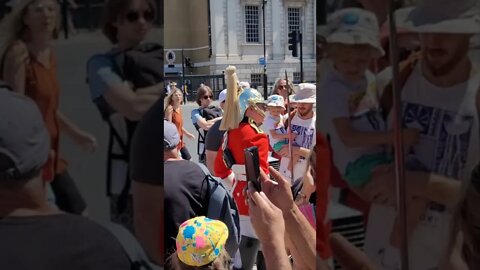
{"x":18,"y":52}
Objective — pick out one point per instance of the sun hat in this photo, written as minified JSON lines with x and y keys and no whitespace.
{"x":222,"y":96}
{"x":200,"y":240}
{"x":307,"y":93}
{"x":354,"y":26}
{"x":442,"y":16}
{"x":276,"y":101}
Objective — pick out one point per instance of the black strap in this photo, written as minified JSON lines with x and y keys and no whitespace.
{"x":5,"y":86}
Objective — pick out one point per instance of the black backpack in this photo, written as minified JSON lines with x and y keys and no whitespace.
{"x":141,"y":66}
{"x":208,"y":113}
{"x":222,"y":206}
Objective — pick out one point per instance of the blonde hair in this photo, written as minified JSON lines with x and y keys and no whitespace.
{"x":13,"y":28}
{"x":222,"y":262}
{"x":169,"y":99}
{"x":231,"y":117}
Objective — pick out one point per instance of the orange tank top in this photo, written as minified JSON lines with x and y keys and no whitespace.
{"x":42,"y":86}
{"x":178,"y":121}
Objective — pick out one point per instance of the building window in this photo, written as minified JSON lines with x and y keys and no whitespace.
{"x":256,"y":79}
{"x":296,"y":77}
{"x":252,"y":24}
{"x":294,"y":19}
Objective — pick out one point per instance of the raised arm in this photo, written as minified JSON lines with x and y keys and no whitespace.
{"x":104,"y":82}
{"x":13,"y":72}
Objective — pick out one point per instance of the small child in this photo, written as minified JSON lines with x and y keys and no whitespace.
{"x":274,"y":124}
{"x":350,"y":99}
{"x":201,"y":246}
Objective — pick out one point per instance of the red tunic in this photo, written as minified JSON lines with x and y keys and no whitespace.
{"x":239,"y":139}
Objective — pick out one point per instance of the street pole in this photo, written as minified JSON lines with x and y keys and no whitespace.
{"x":65,"y":19}
{"x":399,"y":146}
{"x":183,"y":79}
{"x":300,"y":36}
{"x":265,"y":85}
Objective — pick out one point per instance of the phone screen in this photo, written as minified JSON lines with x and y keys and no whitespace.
{"x":252,"y":166}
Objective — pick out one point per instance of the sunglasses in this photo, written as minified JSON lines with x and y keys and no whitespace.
{"x":282,"y":87}
{"x":134,"y":16}
{"x":208,"y":97}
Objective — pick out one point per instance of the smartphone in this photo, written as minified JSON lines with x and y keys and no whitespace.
{"x":252,"y":167}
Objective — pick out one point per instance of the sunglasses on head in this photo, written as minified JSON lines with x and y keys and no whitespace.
{"x":134,"y":16}
{"x":207,"y":97}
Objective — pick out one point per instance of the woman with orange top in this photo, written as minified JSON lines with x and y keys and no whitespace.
{"x":173,"y":113}
{"x":28,"y":65}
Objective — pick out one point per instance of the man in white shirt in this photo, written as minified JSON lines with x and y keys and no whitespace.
{"x":303,"y":126}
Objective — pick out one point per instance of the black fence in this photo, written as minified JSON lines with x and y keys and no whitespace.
{"x":90,"y":12}
{"x":193,"y":82}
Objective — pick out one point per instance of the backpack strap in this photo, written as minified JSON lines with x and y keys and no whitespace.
{"x":132,"y":248}
{"x":216,"y":194}
{"x":4,"y":85}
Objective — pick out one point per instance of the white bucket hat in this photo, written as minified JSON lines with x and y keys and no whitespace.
{"x":307,"y":93}
{"x":276,"y":101}
{"x":244,"y":84}
{"x":222,"y":96}
{"x":442,"y":16}
{"x":354,"y":26}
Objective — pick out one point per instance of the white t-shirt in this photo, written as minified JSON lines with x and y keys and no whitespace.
{"x":276,"y":123}
{"x":449,"y":146}
{"x":305,"y":131}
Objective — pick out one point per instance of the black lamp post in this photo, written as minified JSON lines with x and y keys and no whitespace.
{"x":265,"y":86}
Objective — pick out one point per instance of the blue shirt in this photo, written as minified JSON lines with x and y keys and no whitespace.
{"x":101,"y":74}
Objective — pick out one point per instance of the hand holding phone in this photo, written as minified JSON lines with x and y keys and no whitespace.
{"x":252,"y":167}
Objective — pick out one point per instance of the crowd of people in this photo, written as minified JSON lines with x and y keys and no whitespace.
{"x":439,"y":88}
{"x":209,"y":213}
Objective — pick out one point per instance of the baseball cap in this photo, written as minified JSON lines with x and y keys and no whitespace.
{"x":24,"y":139}
{"x":200,"y":240}
{"x":222,"y":96}
{"x":171,"y":138}
{"x":276,"y":101}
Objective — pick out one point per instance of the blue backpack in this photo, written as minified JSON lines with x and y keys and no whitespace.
{"x":222,"y":206}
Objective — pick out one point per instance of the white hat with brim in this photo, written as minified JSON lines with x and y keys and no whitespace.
{"x":442,"y":16}
{"x":222,"y":96}
{"x":275,"y":101}
{"x":307,"y":93}
{"x":354,"y":26}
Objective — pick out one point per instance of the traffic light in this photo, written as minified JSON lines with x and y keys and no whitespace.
{"x":292,"y":42}
{"x":188,"y":62}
